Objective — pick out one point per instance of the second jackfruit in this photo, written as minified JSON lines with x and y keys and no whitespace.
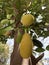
{"x":26,"y":46}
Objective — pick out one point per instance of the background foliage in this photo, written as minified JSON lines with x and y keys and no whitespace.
{"x":10,"y":17}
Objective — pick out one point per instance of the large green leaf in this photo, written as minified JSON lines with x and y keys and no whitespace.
{"x":37,"y":43}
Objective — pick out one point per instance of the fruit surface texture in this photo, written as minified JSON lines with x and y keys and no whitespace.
{"x":26,"y":46}
{"x":27,"y":19}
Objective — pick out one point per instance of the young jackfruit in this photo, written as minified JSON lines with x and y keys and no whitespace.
{"x":27,"y":20}
{"x":26,"y":46}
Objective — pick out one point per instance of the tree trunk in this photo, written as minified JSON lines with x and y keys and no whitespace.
{"x":16,"y":59}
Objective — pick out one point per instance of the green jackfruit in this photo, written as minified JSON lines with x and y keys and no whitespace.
{"x":26,"y":46}
{"x":27,"y":20}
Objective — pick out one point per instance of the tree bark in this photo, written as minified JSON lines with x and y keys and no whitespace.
{"x":16,"y":59}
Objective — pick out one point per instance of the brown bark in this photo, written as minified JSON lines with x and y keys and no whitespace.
{"x":15,"y":57}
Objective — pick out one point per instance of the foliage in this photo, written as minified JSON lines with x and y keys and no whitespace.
{"x":12,"y":10}
{"x":37,"y":43}
{"x":40,"y":50}
{"x":47,"y":48}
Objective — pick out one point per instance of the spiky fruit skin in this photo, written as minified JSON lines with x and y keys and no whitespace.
{"x":26,"y":46}
{"x":27,"y":20}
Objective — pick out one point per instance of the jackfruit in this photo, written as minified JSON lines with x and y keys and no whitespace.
{"x":26,"y":46}
{"x":27,"y":20}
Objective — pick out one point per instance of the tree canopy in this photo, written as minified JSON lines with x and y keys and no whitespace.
{"x":10,"y":17}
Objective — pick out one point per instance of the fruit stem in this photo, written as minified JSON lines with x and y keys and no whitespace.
{"x":26,"y":30}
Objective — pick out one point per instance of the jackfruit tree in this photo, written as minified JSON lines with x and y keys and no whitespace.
{"x":22,"y":19}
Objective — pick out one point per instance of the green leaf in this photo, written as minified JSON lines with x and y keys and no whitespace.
{"x":47,"y":48}
{"x":40,"y":50}
{"x":1,"y":47}
{"x":2,"y":31}
{"x":12,"y":21}
{"x":4,"y":21}
{"x":1,"y":25}
{"x":9,"y":16}
{"x":37,"y":43}
{"x":8,"y":28}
